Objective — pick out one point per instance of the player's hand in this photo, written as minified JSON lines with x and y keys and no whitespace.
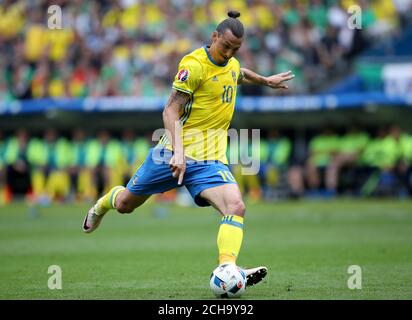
{"x":277,"y":80}
{"x":177,"y":165}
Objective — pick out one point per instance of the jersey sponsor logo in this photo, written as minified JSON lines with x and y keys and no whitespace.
{"x":234,"y":76}
{"x":214,"y":78}
{"x":183,"y":75}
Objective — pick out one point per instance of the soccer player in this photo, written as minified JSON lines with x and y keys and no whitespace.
{"x":193,"y":150}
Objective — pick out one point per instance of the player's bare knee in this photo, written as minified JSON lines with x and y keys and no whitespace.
{"x":237,"y":208}
{"x":123,"y":207}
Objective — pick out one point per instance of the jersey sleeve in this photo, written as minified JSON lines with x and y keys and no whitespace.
{"x":189,"y":75}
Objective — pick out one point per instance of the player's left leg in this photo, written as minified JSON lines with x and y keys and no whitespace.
{"x":227,"y":199}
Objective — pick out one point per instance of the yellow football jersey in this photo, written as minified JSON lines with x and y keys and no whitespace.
{"x":206,"y":118}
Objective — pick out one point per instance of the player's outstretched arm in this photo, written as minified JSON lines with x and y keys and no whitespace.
{"x":276,"y":81}
{"x":175,"y":103}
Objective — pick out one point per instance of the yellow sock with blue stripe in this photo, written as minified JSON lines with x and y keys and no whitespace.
{"x":108,"y":201}
{"x":229,"y":238}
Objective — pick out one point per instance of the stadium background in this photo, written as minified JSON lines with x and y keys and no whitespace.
{"x":78,"y":107}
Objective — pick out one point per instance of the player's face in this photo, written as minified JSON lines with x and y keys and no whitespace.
{"x":226,"y":44}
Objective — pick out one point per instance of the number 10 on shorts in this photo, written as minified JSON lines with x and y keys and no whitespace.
{"x":227,"y":176}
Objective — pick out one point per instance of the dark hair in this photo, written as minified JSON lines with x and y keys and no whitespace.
{"x":232,"y":24}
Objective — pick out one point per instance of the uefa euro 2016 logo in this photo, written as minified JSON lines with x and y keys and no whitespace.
{"x":183,"y":75}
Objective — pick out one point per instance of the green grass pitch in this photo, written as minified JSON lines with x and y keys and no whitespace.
{"x":168,"y":252}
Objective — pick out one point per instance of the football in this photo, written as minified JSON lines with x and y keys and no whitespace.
{"x":228,"y":281}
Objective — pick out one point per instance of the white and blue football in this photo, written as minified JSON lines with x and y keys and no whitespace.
{"x":228,"y":281}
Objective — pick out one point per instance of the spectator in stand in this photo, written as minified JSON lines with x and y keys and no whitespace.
{"x":350,"y":147}
{"x":51,"y":179}
{"x":142,"y":146}
{"x":80,"y":179}
{"x":275,"y":162}
{"x":18,"y":169}
{"x":296,"y":170}
{"x":322,"y":149}
{"x":129,"y":153}
{"x":105,"y":159}
{"x":379,"y":162}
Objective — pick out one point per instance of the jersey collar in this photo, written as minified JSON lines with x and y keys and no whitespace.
{"x":211,"y":59}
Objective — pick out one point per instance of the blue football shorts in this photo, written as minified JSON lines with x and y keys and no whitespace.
{"x":155,"y":176}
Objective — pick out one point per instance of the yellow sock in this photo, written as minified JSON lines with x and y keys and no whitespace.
{"x":108,"y":201}
{"x":229,"y":238}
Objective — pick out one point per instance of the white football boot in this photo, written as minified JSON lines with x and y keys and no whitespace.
{"x":92,"y":220}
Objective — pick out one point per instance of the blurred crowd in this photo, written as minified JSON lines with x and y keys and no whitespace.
{"x":330,"y":163}
{"x":132,"y":47}
{"x":81,"y":167}
{"x":53,"y":167}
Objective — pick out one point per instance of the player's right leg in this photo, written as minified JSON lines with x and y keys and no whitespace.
{"x":118,"y":198}
{"x":153,"y":176}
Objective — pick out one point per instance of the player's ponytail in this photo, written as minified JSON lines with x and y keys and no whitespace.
{"x":233,"y":14}
{"x":233,"y":24}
